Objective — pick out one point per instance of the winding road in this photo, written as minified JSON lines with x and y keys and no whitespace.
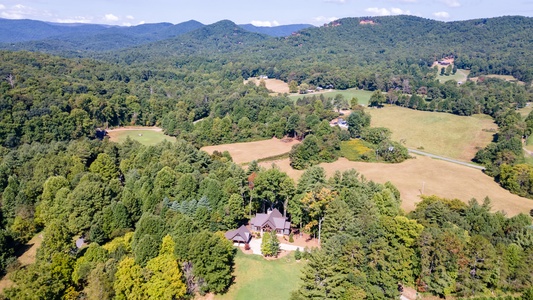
{"x":446,"y":159}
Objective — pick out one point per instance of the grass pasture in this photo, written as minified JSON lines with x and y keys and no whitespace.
{"x":259,"y":279}
{"x":438,"y":133}
{"x":362,"y":95}
{"x":247,"y":152}
{"x":509,"y":78}
{"x":428,"y":176}
{"x":460,"y":75}
{"x":275,"y":85}
{"x":148,"y":136}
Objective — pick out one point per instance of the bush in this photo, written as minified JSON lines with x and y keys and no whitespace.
{"x":297,"y":254}
{"x":246,"y":246}
{"x":291,"y":238}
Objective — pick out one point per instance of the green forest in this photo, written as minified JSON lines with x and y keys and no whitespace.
{"x":153,"y":217}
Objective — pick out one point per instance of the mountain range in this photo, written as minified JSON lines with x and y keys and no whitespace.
{"x":105,"y":37}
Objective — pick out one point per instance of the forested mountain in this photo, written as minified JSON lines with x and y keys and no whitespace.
{"x":64,"y":38}
{"x":276,"y":31}
{"x":153,"y":216}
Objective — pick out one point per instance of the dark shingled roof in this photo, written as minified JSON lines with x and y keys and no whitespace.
{"x":242,"y":234}
{"x":273,"y":218}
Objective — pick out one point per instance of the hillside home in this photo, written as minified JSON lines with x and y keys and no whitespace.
{"x":273,"y":220}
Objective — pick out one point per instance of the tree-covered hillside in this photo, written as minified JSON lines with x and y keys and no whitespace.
{"x":153,"y":216}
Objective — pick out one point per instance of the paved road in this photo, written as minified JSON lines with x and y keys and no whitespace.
{"x":447,"y":159}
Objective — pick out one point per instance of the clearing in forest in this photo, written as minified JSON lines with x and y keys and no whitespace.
{"x":362,"y":95}
{"x":247,"y":152}
{"x":275,"y":85}
{"x":509,"y":78}
{"x":257,"y":278}
{"x":148,"y":136}
{"x":424,"y":175}
{"x":460,"y":76}
{"x":26,"y":257}
{"x":443,"y":134}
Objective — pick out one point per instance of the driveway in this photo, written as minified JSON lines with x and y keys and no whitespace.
{"x":255,"y":246}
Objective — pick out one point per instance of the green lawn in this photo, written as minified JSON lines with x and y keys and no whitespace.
{"x":257,"y":278}
{"x":145,"y":137}
{"x":362,"y":95}
{"x":460,"y":75}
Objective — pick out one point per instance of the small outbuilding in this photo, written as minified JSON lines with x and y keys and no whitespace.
{"x":240,"y":235}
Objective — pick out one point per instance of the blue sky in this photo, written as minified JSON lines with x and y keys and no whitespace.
{"x":257,"y":12}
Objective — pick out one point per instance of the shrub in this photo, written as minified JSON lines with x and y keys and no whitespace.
{"x":246,"y":246}
{"x":297,"y":254}
{"x":291,"y":238}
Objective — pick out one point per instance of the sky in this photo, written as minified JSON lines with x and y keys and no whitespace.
{"x":257,"y":12}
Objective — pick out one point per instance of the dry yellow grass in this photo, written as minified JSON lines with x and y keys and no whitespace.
{"x":438,"y":133}
{"x":275,"y":85}
{"x":435,"y":177}
{"x":27,"y":258}
{"x":247,"y":152}
{"x":502,"y":77}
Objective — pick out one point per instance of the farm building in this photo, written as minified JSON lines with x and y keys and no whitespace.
{"x":272,"y":220}
{"x":339,"y":122}
{"x":240,"y":235}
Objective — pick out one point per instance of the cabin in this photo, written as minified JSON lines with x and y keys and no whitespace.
{"x":273,"y":220}
{"x":240,"y":235}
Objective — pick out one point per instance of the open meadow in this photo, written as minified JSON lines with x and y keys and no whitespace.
{"x":362,"y":95}
{"x":412,"y":177}
{"x":148,"y":136}
{"x":437,"y":133}
{"x":430,"y":177}
{"x":509,"y":78}
{"x":459,"y":76}
{"x":259,"y":279}
{"x":274,"y":85}
{"x":246,"y":152}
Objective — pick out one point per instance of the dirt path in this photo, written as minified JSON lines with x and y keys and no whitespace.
{"x":455,"y":161}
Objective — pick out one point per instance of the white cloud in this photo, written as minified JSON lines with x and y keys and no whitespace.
{"x":335,"y":1}
{"x":322,"y":19}
{"x":387,"y":12}
{"x":404,"y":1}
{"x":441,"y":15}
{"x":130,"y":17}
{"x":20,"y":11}
{"x":265,"y":23}
{"x":111,"y":18}
{"x":11,"y":15}
{"x":451,"y":3}
{"x":74,"y":20}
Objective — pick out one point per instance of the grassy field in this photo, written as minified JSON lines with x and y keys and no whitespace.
{"x":460,"y":75}
{"x":354,"y":149}
{"x":430,"y":177}
{"x":502,"y":77}
{"x":148,"y":136}
{"x":363,"y":96}
{"x":438,"y":133}
{"x":257,"y":278}
{"x":524,"y":111}
{"x":247,"y":152}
